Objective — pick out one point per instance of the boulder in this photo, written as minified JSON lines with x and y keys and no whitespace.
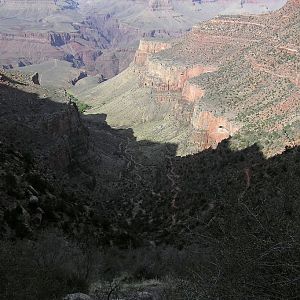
{"x":35,"y":78}
{"x":33,"y":200}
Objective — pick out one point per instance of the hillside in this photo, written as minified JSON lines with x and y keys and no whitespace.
{"x":222,"y":79}
{"x":75,"y":192}
{"x":179,"y":178}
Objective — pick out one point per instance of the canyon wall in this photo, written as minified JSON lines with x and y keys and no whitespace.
{"x":55,"y":39}
{"x":41,"y":4}
{"x":163,"y":76}
{"x":216,"y":128}
{"x":192,"y":92}
{"x":167,"y":76}
{"x":148,"y":47}
{"x":219,"y":80}
{"x":52,"y":128}
{"x":98,"y":37}
{"x":156,"y":5}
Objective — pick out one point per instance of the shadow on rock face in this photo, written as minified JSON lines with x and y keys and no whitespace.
{"x":101,"y":186}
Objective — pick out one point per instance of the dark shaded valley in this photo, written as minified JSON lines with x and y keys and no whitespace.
{"x":218,"y":224}
{"x":177,"y":179}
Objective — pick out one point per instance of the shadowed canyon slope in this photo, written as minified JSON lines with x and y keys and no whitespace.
{"x":62,"y":172}
{"x":231,"y":76}
{"x":98,"y":36}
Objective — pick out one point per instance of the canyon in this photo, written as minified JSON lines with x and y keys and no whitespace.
{"x":201,"y":88}
{"x":178,"y":178}
{"x":99,"y":37}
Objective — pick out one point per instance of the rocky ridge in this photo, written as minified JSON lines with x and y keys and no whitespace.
{"x":59,"y":161}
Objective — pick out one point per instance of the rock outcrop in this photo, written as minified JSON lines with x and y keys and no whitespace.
{"x":66,"y":136}
{"x":192,"y":92}
{"x":35,"y":78}
{"x":163,"y":76}
{"x":148,"y":47}
{"x":77,"y":296}
{"x":80,"y":76}
{"x":216,"y":128}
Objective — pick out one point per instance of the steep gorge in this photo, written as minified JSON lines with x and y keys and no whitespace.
{"x":85,"y":205}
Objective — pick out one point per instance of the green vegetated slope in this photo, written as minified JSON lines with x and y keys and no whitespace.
{"x":127,"y":104}
{"x":259,"y":88}
{"x":255,"y":86}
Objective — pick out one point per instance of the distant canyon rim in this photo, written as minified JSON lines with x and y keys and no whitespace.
{"x":100,"y":37}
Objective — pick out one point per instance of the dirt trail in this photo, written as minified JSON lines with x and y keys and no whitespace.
{"x":239,"y":22}
{"x":175,"y":189}
{"x":132,"y":164}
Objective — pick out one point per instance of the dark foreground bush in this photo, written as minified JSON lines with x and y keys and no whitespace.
{"x":48,"y":268}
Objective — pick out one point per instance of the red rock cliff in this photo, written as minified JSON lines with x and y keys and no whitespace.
{"x":215,"y":128}
{"x":148,"y":47}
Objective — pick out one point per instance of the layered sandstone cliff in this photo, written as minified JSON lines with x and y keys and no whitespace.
{"x":55,"y":39}
{"x":148,"y":47}
{"x":215,"y":128}
{"x":166,"y":75}
{"x":192,"y":92}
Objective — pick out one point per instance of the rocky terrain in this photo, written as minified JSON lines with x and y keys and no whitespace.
{"x":219,"y":80}
{"x":98,"y":36}
{"x":73,"y":189}
{"x":95,"y":198}
{"x":50,"y":151}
